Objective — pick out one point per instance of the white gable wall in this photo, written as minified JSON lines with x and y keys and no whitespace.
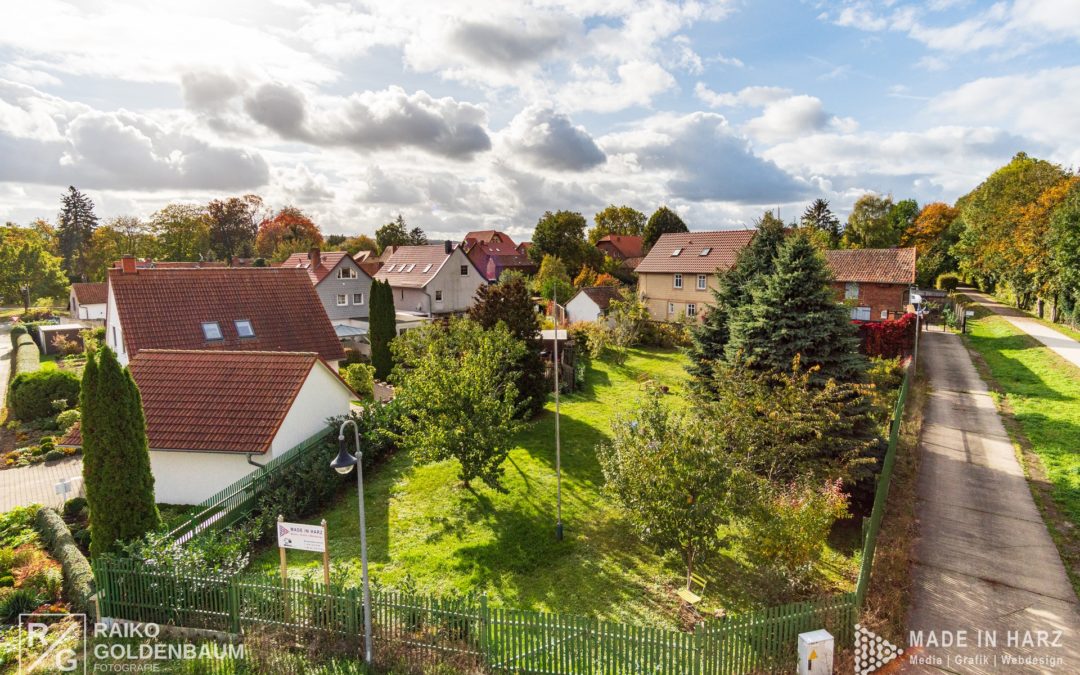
{"x":191,"y":477}
{"x":458,"y":292}
{"x":582,"y":308}
{"x":114,"y":335}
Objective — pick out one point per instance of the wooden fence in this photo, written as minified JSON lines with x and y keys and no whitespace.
{"x":502,"y":640}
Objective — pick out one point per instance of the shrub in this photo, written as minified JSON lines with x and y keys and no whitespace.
{"x":664,"y":334}
{"x":65,"y":345}
{"x":17,"y":331}
{"x":73,"y":507}
{"x":54,"y":455}
{"x":948,"y":281}
{"x":360,"y":378}
{"x":27,"y":355}
{"x":92,"y":338}
{"x":78,"y":579}
{"x":888,"y":339}
{"x":37,"y":314}
{"x":354,"y":356}
{"x":17,"y":527}
{"x":19,"y":601}
{"x":32,"y":394}
{"x":7,"y":581}
{"x":45,"y":582}
{"x":65,"y":419}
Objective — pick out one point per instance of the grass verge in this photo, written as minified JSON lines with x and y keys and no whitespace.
{"x":1038,"y":395}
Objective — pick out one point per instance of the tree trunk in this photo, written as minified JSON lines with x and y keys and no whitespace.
{"x":689,"y":567}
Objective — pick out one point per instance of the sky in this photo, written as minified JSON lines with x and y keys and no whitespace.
{"x":466,"y":115}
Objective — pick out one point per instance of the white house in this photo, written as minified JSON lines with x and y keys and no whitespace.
{"x":213,"y":416}
{"x":86,"y":302}
{"x":341,"y":283}
{"x":221,"y":308}
{"x":591,"y":303}
{"x":431,"y":280}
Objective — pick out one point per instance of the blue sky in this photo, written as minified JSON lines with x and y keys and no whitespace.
{"x":462,"y":115}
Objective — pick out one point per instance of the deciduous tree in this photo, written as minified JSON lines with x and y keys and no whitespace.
{"x":182,"y":231}
{"x":234,"y":222}
{"x":662,"y":221}
{"x":288,"y":231}
{"x":27,"y":270}
{"x":617,"y":220}
{"x":560,"y":234}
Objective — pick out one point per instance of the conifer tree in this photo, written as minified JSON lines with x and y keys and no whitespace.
{"x":74,"y":227}
{"x":733,"y":291}
{"x":383,"y":328}
{"x":794,"y":311}
{"x":119,"y":483}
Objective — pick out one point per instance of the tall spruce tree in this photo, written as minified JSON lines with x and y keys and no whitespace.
{"x":510,"y":302}
{"x":383,"y":328}
{"x":820,"y":217}
{"x":74,"y":227}
{"x":732,"y":291}
{"x":119,"y":483}
{"x":794,"y":311}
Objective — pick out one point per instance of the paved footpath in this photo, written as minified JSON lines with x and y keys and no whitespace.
{"x":984,"y":560}
{"x":1063,"y":345}
{"x":32,"y":484}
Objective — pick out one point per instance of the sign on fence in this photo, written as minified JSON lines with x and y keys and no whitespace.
{"x":301,"y":537}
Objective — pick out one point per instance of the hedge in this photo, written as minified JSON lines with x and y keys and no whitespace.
{"x":78,"y":577}
{"x":32,"y":394}
{"x":27,"y":356}
{"x":948,"y":281}
{"x":888,"y":339}
{"x":17,"y":330}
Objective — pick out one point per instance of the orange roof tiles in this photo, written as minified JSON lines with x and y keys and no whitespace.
{"x":626,"y":245}
{"x":215,"y":401}
{"x":873,"y":265}
{"x":91,"y":294}
{"x":328,"y":260}
{"x":719,"y":248}
{"x":165,"y":309}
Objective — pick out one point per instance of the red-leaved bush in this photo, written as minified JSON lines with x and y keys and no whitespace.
{"x":892,"y":338}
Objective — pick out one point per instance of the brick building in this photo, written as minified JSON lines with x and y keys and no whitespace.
{"x":874,"y":282}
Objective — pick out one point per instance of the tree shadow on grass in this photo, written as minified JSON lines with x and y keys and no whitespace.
{"x":1012,"y":373}
{"x":578,"y":441}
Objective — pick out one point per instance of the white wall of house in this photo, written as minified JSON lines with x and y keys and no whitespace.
{"x":458,"y":291}
{"x":114,"y":335}
{"x":190,"y":477}
{"x":92,"y":312}
{"x":582,"y":308}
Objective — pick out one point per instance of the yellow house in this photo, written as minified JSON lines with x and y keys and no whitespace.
{"x":677,"y":276}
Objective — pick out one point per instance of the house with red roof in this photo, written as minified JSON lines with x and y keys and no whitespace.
{"x":212,"y":417}
{"x":875,"y":282}
{"x":216,"y":309}
{"x":626,"y":248}
{"x":493,"y":252}
{"x":86,"y":302}
{"x":432,"y":280}
{"x":342,"y":284}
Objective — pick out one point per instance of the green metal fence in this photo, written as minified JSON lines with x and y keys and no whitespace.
{"x":501,"y":639}
{"x":237,"y":500}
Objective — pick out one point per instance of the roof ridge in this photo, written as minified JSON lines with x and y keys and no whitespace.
{"x":254,"y":352}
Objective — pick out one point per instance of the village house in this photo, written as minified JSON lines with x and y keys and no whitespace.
{"x":237,"y":309}
{"x":212,"y":417}
{"x":435,"y":279}
{"x":591,"y":303}
{"x":676,"y":278}
{"x":626,"y":249}
{"x":493,"y":252}
{"x":875,"y":282}
{"x":86,"y":302}
{"x":341,"y":283}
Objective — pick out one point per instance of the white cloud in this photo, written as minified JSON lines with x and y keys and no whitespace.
{"x":795,"y":116}
{"x":550,"y":140}
{"x":635,"y":84}
{"x":754,"y":97}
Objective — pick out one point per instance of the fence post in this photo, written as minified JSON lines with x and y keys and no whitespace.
{"x":699,"y":648}
{"x":234,"y":605}
{"x":484,"y":628}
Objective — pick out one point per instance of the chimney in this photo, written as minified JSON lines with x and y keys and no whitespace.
{"x":315,"y":256}
{"x":448,"y":246}
{"x":127,"y":264}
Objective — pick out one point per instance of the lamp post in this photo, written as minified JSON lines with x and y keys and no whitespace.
{"x":343,"y":464}
{"x":916,"y":300}
{"x":558,"y":453}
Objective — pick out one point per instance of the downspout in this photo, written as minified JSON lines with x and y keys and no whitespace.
{"x":253,"y":462}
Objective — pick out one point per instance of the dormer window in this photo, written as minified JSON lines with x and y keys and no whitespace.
{"x":244,"y":329}
{"x":410,"y":267}
{"x":212,"y":331}
{"x":676,"y":252}
{"x":706,"y":251}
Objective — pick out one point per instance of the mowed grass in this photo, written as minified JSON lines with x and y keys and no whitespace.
{"x":426,"y":531}
{"x":1043,"y":392}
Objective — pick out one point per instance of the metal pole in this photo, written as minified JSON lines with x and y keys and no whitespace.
{"x":915,"y":354}
{"x":363,"y":546}
{"x":558,"y":449}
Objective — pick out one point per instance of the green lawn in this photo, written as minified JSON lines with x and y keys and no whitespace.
{"x":1043,"y":392}
{"x":423,"y":527}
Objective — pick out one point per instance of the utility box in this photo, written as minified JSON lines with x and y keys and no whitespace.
{"x":816,"y":653}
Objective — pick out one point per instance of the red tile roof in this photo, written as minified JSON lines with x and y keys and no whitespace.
{"x":328,"y":260}
{"x":414,"y":266}
{"x":91,"y":294}
{"x":493,"y":257}
{"x":489,"y":237}
{"x":165,"y":309}
{"x":215,"y":401}
{"x":624,"y":245}
{"x":720,"y":249}
{"x":873,"y":265}
{"x":601,"y":295}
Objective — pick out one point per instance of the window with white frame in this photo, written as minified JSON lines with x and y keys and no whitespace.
{"x":342,"y":300}
{"x":244,"y":329}
{"x":701,"y":282}
{"x":346,"y":273}
{"x":676,"y":253}
{"x":884,"y":314}
{"x":851,"y":290}
{"x":357,"y":298}
{"x":860,"y":313}
{"x":678,"y":281}
{"x":211,"y":330}
{"x":691,"y":309}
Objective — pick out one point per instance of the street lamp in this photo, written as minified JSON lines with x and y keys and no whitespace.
{"x":343,"y":464}
{"x":916,"y":300}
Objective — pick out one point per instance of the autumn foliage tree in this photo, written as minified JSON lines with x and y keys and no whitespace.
{"x":288,"y":231}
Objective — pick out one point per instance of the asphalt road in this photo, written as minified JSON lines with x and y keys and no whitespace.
{"x":1063,"y":345}
{"x":985,"y":563}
